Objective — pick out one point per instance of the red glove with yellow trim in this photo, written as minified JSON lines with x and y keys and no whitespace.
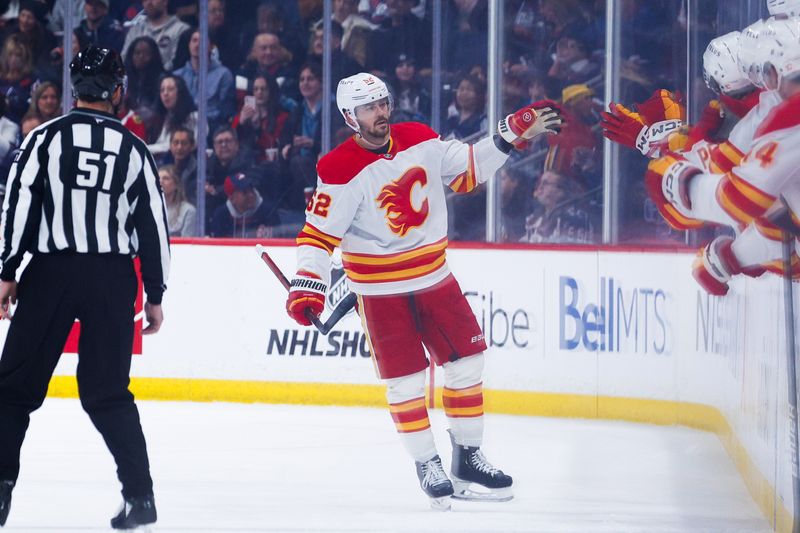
{"x":666,"y":182}
{"x":710,"y":121}
{"x":307,"y":292}
{"x":649,"y":128}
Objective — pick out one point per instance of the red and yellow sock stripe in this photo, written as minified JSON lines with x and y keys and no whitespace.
{"x":312,"y":236}
{"x":463,"y":403}
{"x":410,"y":416}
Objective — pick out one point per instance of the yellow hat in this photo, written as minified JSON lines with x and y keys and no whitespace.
{"x":575,"y":91}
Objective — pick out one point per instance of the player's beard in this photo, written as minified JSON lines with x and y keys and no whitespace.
{"x":379,"y":132}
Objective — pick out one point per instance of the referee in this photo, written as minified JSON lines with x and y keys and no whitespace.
{"x":83,"y":197}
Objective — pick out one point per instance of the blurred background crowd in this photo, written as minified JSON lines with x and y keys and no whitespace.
{"x":264,"y":98}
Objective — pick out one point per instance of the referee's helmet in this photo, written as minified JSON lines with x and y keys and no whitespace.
{"x":96,"y":73}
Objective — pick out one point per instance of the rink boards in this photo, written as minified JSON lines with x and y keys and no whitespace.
{"x":596,"y":334}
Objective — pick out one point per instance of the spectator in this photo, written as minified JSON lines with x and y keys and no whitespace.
{"x":59,"y":14}
{"x":9,"y":138}
{"x":163,"y":28}
{"x":412,"y":101}
{"x":245,"y":214}
{"x":181,"y":215}
{"x":302,"y":135}
{"x":16,"y":79}
{"x":269,"y":57}
{"x":342,"y":65}
{"x":575,"y":151}
{"x":30,"y":28}
{"x":227,"y":159}
{"x":45,"y":102}
{"x":183,"y":156}
{"x":271,"y":17}
{"x":572,"y":62}
{"x":29,"y":123}
{"x":100,"y":29}
{"x":514,"y":195}
{"x":470,"y":102}
{"x":220,"y":94}
{"x":356,"y":29}
{"x":465,"y":34}
{"x":543,"y":88}
{"x":260,"y":122}
{"x":176,"y":110}
{"x":401,"y":32}
{"x":227,"y":42}
{"x":144,"y":69}
{"x":559,"y":218}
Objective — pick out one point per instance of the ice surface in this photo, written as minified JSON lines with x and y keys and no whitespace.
{"x":246,"y":468}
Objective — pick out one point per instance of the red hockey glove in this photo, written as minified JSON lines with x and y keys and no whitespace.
{"x":308,"y":292}
{"x":708,"y":125}
{"x":716,"y":265}
{"x":540,"y":117}
{"x":662,"y":106}
{"x":621,"y":125}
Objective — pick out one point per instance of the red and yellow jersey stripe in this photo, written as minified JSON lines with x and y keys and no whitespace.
{"x":410,"y":416}
{"x":466,"y":181}
{"x":312,"y":236}
{"x":742,"y":200}
{"x":724,"y":157}
{"x":463,"y":403}
{"x":368,"y":268}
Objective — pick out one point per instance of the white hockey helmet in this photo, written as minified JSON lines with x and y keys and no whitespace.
{"x":359,"y":89}
{"x":780,"y":48}
{"x":784,"y":7}
{"x":750,"y":63}
{"x":720,"y":67}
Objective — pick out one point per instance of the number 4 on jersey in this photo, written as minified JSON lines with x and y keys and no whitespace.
{"x":766,"y":154}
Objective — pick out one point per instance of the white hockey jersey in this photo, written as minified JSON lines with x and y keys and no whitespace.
{"x":387,"y":212}
{"x":722,"y":157}
{"x":770,"y":169}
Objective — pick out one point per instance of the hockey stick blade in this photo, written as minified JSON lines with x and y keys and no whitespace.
{"x":342,"y":309}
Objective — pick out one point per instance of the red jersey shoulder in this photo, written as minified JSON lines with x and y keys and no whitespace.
{"x":346,"y":161}
{"x":408,"y":134}
{"x":784,"y":116}
{"x":343,"y":163}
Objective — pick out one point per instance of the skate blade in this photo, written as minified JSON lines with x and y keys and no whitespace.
{"x":440,"y":504}
{"x":467,"y":491}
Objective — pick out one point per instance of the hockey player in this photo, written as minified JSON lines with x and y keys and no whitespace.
{"x":770,"y":169}
{"x":380,"y":198}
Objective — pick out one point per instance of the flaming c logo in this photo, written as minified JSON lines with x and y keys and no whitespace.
{"x":395,"y":198}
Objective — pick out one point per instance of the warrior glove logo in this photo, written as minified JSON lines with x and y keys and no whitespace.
{"x":395,"y":198}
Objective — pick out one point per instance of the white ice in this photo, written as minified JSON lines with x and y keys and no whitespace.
{"x":246,"y":468}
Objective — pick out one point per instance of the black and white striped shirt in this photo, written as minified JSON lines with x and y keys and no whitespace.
{"x":84,"y":183}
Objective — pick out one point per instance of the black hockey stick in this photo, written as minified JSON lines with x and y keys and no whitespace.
{"x":782,"y":218}
{"x":342,"y":309}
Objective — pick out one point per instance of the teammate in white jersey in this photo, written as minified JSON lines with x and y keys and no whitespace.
{"x":380,"y":198}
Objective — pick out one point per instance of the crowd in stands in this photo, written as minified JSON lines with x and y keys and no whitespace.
{"x":264,"y":97}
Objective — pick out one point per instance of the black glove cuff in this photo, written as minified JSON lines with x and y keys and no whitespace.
{"x":502,"y":144}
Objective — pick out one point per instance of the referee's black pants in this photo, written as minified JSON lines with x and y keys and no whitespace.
{"x":100,"y":291}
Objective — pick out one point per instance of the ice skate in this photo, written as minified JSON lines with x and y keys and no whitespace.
{"x":136,"y":514}
{"x":435,"y":483}
{"x":5,"y":500}
{"x":475,"y":479}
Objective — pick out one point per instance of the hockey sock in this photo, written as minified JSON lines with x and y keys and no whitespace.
{"x":463,"y":399}
{"x":406,"y":397}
